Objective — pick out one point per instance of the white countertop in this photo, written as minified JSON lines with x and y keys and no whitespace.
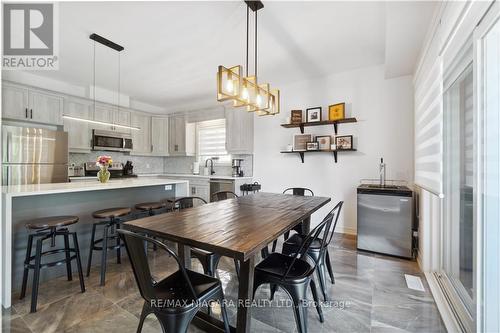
{"x":40,"y":189}
{"x":190,"y":175}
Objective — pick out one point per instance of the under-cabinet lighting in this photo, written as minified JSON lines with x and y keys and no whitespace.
{"x":101,"y":123}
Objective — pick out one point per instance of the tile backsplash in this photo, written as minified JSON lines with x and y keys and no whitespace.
{"x":142,"y":164}
{"x":151,"y":164}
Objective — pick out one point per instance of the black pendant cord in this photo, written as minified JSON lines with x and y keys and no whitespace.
{"x":248,"y":15}
{"x":119,"y":80}
{"x":94,"y":79}
{"x":255,"y":69}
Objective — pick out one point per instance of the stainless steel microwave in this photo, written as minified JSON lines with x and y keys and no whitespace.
{"x":107,"y":140}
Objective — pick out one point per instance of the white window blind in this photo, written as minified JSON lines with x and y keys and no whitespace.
{"x":211,"y":140}
{"x":429,"y":129}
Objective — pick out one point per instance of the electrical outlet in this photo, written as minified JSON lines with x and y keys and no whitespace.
{"x":168,"y":187}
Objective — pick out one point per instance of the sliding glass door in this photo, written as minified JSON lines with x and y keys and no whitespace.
{"x":459,"y":227}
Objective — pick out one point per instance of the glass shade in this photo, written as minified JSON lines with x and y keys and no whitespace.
{"x":228,"y":83}
{"x":274,"y":104}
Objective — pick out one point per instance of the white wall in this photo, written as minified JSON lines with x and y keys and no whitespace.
{"x":384,"y":109}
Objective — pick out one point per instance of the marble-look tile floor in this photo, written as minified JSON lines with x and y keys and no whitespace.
{"x":370,"y":295}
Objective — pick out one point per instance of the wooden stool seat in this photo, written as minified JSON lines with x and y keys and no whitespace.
{"x":111,"y":212}
{"x":150,"y":205}
{"x":51,"y":222}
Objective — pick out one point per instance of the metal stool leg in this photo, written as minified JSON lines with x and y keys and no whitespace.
{"x":118,"y":246}
{"x":36,"y":276}
{"x":68,"y":257}
{"x":26,"y":269}
{"x":104,"y":254}
{"x":78,"y":262}
{"x":91,"y":249}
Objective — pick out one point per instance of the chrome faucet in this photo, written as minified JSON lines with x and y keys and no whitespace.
{"x":212,"y":171}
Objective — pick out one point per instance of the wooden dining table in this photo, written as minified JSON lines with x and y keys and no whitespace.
{"x":238,"y":228}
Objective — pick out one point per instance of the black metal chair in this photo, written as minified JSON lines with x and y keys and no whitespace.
{"x":176,"y":299}
{"x":302,"y":191}
{"x":318,"y":250}
{"x":43,"y":229}
{"x":209,"y":260}
{"x":223,"y":195}
{"x":294,"y":274}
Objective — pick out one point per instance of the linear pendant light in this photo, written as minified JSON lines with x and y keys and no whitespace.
{"x":245,"y":91}
{"x":118,"y":48}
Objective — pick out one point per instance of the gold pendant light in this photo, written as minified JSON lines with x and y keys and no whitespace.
{"x":245,"y":91}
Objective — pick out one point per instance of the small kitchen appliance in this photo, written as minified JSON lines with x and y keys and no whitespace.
{"x":117,"y":170}
{"x":236,"y":165}
{"x":113,"y":141}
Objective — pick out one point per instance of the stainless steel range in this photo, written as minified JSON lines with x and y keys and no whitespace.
{"x":385,"y":219}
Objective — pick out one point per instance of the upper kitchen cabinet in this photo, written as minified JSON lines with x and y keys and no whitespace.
{"x":159,"y":136}
{"x":80,"y":136}
{"x":32,"y":105}
{"x":142,"y":138}
{"x":181,"y":136}
{"x":111,"y":115}
{"x":239,"y":131}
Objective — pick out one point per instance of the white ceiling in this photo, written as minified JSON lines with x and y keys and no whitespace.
{"x":172,"y":49}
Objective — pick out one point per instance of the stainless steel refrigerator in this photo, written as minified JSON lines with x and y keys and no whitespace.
{"x":34,"y":156}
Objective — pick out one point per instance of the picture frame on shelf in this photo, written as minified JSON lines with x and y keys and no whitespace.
{"x":336,"y":111}
{"x":343,"y":142}
{"x":296,"y":117}
{"x":324,"y":142}
{"x":313,"y":115}
{"x":300,"y":141}
{"x":312,"y":146}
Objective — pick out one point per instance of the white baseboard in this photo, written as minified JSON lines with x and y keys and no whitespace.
{"x":346,"y":230}
{"x":445,"y":311}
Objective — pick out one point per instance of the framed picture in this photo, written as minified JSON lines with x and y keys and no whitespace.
{"x":323,"y":142}
{"x":296,"y":117}
{"x":312,"y":145}
{"x":336,"y":111}
{"x":313,"y":114}
{"x":343,"y":142}
{"x":300,"y":141}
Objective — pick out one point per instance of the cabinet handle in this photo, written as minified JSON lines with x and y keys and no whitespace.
{"x":26,"y":112}
{"x":31,"y":113}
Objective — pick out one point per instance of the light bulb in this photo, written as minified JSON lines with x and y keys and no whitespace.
{"x":259,"y":100}
{"x":244,"y":93}
{"x":229,"y":86}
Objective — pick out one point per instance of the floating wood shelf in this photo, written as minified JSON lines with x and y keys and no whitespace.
{"x":301,"y":153}
{"x":321,"y":123}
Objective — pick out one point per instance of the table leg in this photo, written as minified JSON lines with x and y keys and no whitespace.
{"x":306,"y":225}
{"x":245,"y":294}
{"x":184,"y":254}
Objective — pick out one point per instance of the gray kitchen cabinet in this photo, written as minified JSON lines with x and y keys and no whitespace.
{"x":112,"y":115}
{"x":26,"y":104}
{"x":142,"y":138}
{"x":14,"y":102}
{"x":239,"y":131}
{"x":159,"y":136}
{"x":199,"y":188}
{"x":181,"y":136}
{"x":79,"y":132}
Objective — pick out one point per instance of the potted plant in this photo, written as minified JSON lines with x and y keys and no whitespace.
{"x":103,"y":162}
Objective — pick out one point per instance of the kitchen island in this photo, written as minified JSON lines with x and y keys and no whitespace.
{"x":20,"y":203}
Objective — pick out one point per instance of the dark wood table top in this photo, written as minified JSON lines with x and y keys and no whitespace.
{"x":237,"y":228}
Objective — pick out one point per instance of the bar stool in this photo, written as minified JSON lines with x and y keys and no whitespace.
{"x":151,"y":208}
{"x":112,"y":220}
{"x":43,"y":229}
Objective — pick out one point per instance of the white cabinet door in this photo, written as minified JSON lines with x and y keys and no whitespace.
{"x":239,"y":131}
{"x":14,"y":102}
{"x":121,"y":117}
{"x":45,"y":108}
{"x":202,"y":192}
{"x":79,"y":132}
{"x":181,"y":136}
{"x":142,"y":138}
{"x":160,"y":136}
{"x":103,"y":113}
